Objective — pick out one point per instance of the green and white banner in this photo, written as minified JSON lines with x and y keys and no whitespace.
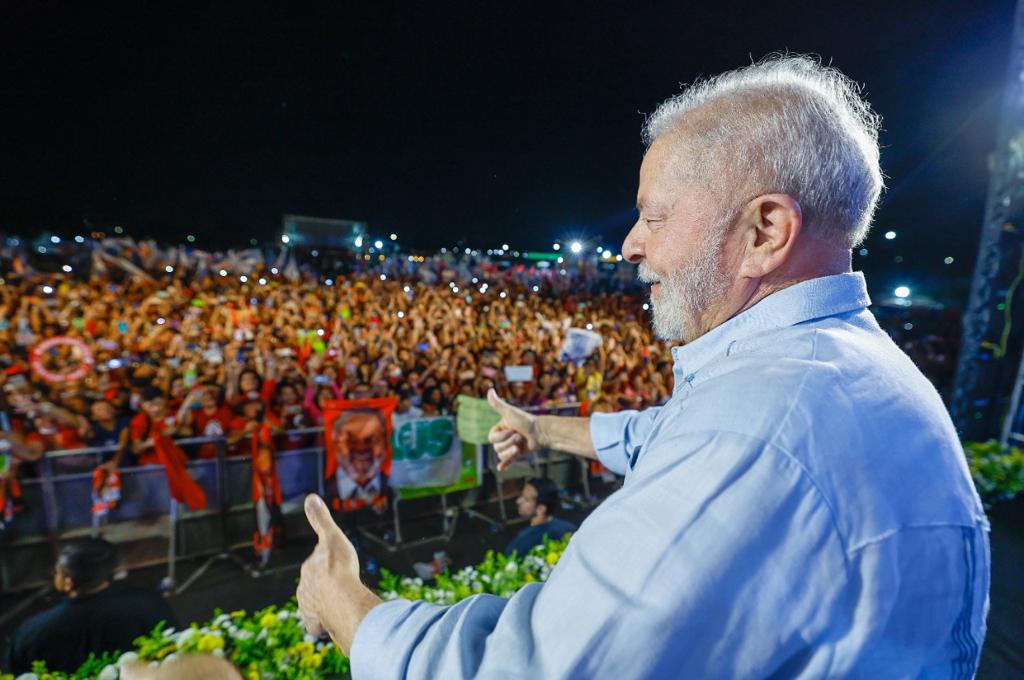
{"x":425,"y":452}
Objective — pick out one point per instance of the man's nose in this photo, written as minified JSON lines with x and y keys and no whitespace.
{"x":633,"y":246}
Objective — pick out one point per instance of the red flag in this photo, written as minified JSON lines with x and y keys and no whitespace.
{"x":181,"y":485}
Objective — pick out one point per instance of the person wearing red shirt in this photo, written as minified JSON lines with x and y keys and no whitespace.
{"x":292,"y":415}
{"x":210,"y":417}
{"x":153,"y":419}
{"x":248,"y":422}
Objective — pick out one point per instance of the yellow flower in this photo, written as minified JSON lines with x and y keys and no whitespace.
{"x":164,"y":652}
{"x":529,"y":578}
{"x":551,"y":558}
{"x":312,"y":661}
{"x":268,"y":620}
{"x":208,"y":643}
{"x":252,"y":675}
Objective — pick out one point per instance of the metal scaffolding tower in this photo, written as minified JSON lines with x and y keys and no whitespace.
{"x":990,"y":358}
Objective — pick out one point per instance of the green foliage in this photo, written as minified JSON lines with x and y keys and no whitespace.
{"x":272,"y":644}
{"x":998,"y":473}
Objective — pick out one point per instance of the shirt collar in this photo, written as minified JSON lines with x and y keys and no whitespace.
{"x":813,"y":299}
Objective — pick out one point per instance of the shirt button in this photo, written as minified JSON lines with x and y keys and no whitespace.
{"x":689,"y":378}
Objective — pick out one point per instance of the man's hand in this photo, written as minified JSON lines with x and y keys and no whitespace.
{"x":515,"y":436}
{"x":332,"y":599}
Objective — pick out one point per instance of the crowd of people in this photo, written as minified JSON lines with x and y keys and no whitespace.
{"x":149,"y":344}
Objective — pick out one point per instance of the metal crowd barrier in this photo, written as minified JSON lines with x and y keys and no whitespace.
{"x":152,"y":529}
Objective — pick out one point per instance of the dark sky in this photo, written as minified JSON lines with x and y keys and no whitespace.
{"x":492,"y":122}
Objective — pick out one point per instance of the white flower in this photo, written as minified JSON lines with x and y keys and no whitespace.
{"x":170,"y":657}
{"x":308,"y":638}
{"x":168,"y":632}
{"x":263,"y":635}
{"x":282,"y":615}
{"x":242,"y":634}
{"x":184,"y":636}
{"x":109,"y":672}
{"x":221,"y":620}
{"x":219,"y":652}
{"x":27,"y":676}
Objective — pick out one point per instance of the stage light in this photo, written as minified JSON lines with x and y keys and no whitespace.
{"x":560,"y":260}
{"x":383,"y":277}
{"x":358,"y":242}
{"x":504,"y":246}
{"x":401,"y":315}
{"x":468,"y":251}
{"x":407,"y":289}
{"x":590,"y":326}
{"x":118,"y":230}
{"x":223,"y":272}
{"x":890,"y":235}
{"x":66,"y":268}
{"x":285,"y":238}
{"x":55,"y":239}
{"x":42,"y":249}
{"x":901,"y":292}
{"x":243,"y":278}
{"x":262,"y":281}
{"x":646,"y":306}
{"x":161,"y":321}
{"x":394,"y":237}
{"x":556,"y":246}
{"x":329,"y":282}
{"x":315,"y":253}
{"x":576,"y":247}
{"x":48,"y":290}
{"x":618,"y":258}
{"x":503,"y":295}
{"x":190,"y":238}
{"x":908,"y":326}
{"x":476,"y":280}
{"x":79,"y":239}
{"x":273,"y":270}
{"x":536,"y":289}
{"x":948,"y":260}
{"x":455,"y":289}
{"x":169,"y":269}
{"x":320,"y":332}
{"x":863,"y":252}
{"x":378,"y":244}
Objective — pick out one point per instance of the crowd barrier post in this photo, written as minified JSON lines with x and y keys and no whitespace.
{"x":50,"y":505}
{"x":225,"y":552}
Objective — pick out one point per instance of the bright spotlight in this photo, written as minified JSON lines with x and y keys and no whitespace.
{"x":358,"y":242}
{"x":576,"y":247}
{"x":556,"y":246}
{"x":285,"y":238}
{"x":378,"y":244}
{"x":890,"y":235}
{"x":394,"y":237}
{"x":901,"y":292}
{"x":66,"y":269}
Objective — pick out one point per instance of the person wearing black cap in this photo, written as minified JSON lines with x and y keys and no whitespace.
{"x":538,"y":502}
{"x":99,"y":614}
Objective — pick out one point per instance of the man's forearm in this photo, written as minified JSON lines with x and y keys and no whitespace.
{"x":568,"y":434}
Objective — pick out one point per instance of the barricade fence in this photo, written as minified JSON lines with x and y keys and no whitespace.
{"x":151,"y":529}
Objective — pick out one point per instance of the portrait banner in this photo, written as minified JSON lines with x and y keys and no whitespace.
{"x":425,"y":452}
{"x":470,"y":471}
{"x":357,"y":440}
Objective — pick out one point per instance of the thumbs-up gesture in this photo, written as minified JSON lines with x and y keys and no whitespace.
{"x":332,"y":599}
{"x":515,"y":435}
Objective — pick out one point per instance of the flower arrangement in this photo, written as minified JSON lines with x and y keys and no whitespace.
{"x":272,"y":644}
{"x":998,"y":472}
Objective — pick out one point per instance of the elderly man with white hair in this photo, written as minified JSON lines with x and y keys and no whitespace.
{"x":800,"y":508}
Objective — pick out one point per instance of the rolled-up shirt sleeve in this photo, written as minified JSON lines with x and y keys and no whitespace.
{"x":618,"y":436}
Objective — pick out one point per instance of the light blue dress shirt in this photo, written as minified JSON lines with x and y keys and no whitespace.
{"x":800,"y":508}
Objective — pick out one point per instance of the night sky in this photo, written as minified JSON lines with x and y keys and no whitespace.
{"x":492,"y":123}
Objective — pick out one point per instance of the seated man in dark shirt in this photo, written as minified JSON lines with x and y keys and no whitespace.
{"x":538,"y":502}
{"x":98,"y":615}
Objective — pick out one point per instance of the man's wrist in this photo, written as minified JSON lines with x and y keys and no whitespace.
{"x":342,"y":618}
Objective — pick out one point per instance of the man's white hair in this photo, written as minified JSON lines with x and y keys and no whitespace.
{"x":787,"y":125}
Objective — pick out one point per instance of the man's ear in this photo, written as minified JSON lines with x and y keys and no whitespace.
{"x":773,"y":223}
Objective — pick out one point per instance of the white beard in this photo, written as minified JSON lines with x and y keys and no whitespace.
{"x":687,"y":293}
